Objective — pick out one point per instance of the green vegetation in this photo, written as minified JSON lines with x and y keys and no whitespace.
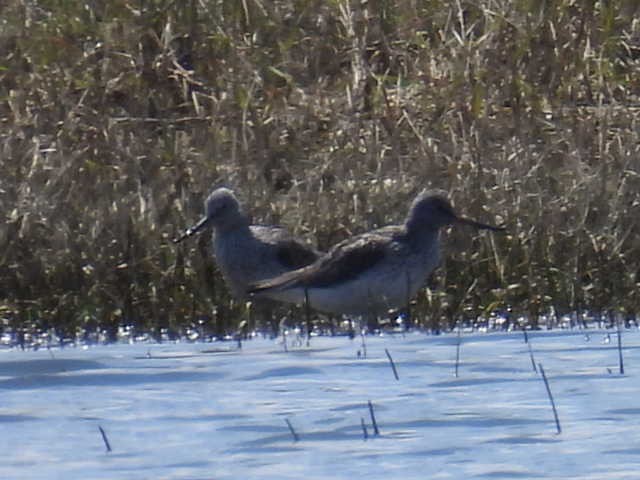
{"x":326,"y":116}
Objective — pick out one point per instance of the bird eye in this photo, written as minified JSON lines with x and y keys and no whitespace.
{"x":220,"y":208}
{"x":444,"y":208}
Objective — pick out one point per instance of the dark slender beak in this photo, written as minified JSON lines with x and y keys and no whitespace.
{"x":202,"y":223}
{"x":478,"y":225}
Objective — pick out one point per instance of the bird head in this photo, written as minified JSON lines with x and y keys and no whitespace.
{"x":433,"y":209}
{"x":222,"y":210}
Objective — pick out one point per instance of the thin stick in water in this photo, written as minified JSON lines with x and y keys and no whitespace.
{"x":376,"y":431}
{"x":459,"y":342}
{"x":393,"y":365}
{"x":533,"y":362}
{"x":620,"y":360}
{"x":242,"y":327}
{"x":553,"y":404}
{"x":293,"y":432}
{"x":282,"y":329}
{"x":307,"y":309}
{"x":365,"y":434}
{"x":364,"y":343}
{"x":407,"y":321}
{"x":104,"y":438}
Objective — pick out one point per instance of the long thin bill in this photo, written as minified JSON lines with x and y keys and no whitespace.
{"x":192,"y":230}
{"x":478,"y":225}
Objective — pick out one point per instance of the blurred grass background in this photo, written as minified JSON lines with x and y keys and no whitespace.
{"x":327,"y":117}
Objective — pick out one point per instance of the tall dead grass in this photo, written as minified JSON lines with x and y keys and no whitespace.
{"x":118,"y":117}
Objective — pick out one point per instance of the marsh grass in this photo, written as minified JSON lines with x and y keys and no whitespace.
{"x":327,"y":117}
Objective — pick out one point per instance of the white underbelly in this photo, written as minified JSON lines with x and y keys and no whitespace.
{"x":361,"y":298}
{"x":371,"y":294}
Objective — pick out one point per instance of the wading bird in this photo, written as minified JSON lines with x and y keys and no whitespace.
{"x":373,"y":272}
{"x":248,"y":253}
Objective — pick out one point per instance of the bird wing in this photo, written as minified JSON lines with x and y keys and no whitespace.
{"x":342,"y":263}
{"x":294,"y":254}
{"x":290,"y":252}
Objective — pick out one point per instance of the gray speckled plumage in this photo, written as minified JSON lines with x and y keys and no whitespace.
{"x":375,"y":271}
{"x":248,"y":253}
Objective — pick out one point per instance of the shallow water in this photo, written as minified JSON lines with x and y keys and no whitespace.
{"x":187,"y":411}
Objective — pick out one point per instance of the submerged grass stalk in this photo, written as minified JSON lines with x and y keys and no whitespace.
{"x":553,"y":404}
{"x":458,"y":344}
{"x":620,"y":359}
{"x":393,"y":365}
{"x":376,"y":430}
{"x":295,"y":436}
{"x":364,"y":343}
{"x":104,"y":438}
{"x":365,"y":433}
{"x":307,"y":311}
